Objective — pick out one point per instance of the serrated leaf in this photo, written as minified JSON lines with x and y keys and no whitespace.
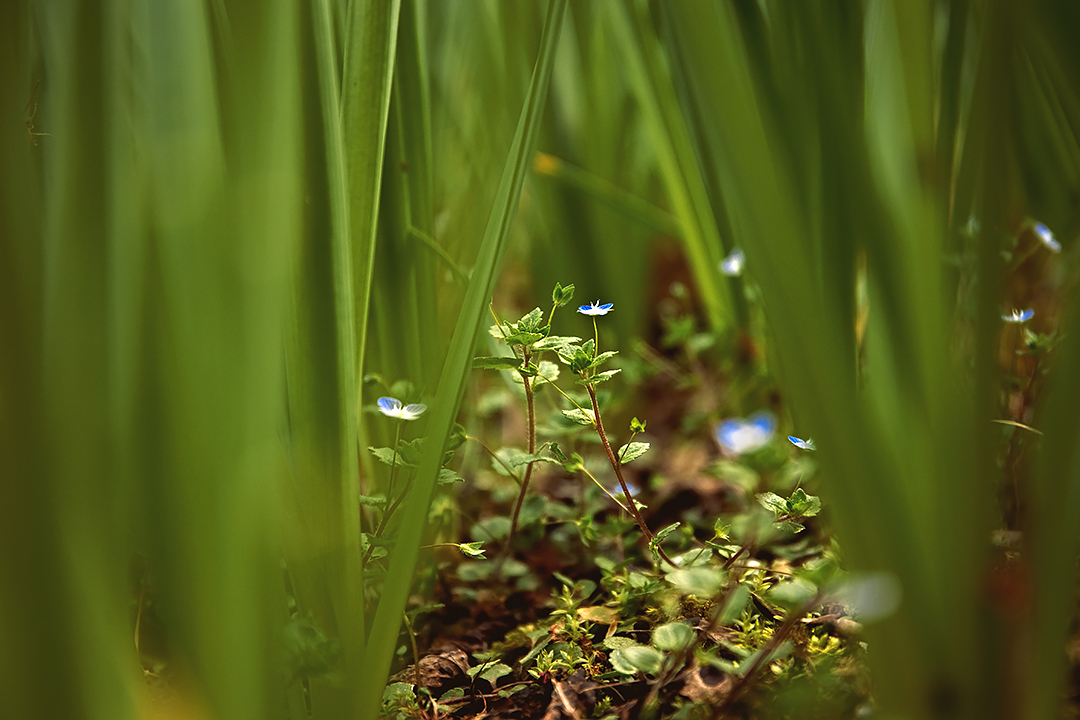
{"x":531,"y":321}
{"x":632,"y":451}
{"x":772,"y":501}
{"x":449,"y":477}
{"x":637,"y":659}
{"x":523,"y":338}
{"x":373,"y":500}
{"x":562,"y":295}
{"x":790,"y":526}
{"x":581,"y":416}
{"x":700,"y":582}
{"x":473,"y":550}
{"x":553,"y":342}
{"x":547,"y":371}
{"x":803,"y":504}
{"x":388,"y":457}
{"x":602,"y":358}
{"x":486,"y":362}
{"x":673,"y":636}
{"x":599,"y":377}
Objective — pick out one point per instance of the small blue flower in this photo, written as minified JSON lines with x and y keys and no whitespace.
{"x":1018,"y":316}
{"x":732,"y":265}
{"x":1047,"y":238}
{"x":738,"y":436}
{"x":596,"y":308}
{"x":807,"y":444}
{"x":391,"y":407}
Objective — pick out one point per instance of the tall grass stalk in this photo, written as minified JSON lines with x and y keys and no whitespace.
{"x":383,"y":637}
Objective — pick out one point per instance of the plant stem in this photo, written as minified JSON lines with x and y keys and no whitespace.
{"x":386,"y":518}
{"x":618,"y":473}
{"x":528,"y":466}
{"x":393,"y":462}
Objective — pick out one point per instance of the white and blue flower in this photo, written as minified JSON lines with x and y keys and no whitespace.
{"x":596,"y":308}
{"x":732,"y":265}
{"x":807,"y":444}
{"x":391,"y":407}
{"x":738,"y":436}
{"x":1018,"y":316}
{"x":1047,"y":238}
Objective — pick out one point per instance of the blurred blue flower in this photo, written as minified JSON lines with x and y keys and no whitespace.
{"x":737,"y":435}
{"x":807,"y":444}
{"x":1018,"y":316}
{"x":1047,"y":238}
{"x":732,"y":265}
{"x":596,"y":308}
{"x":391,"y":407}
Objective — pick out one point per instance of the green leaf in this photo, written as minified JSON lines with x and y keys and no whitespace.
{"x":472,"y":549}
{"x":546,"y":371}
{"x":496,"y":363}
{"x":772,"y":501}
{"x":523,"y":338}
{"x":490,"y":529}
{"x":373,"y":500}
{"x":602,"y":358}
{"x":637,"y":426}
{"x":667,"y":531}
{"x":562,"y":295}
{"x":389,"y":457}
{"x":617,"y":642}
{"x":673,"y":636}
{"x":581,"y":416}
{"x":735,"y":605}
{"x":530,"y":323}
{"x":555,"y":342}
{"x":637,"y":659}
{"x":702,"y":583}
{"x":792,"y":593}
{"x":448,"y":477}
{"x":599,"y":377}
{"x":491,"y":673}
{"x":632,"y":451}
{"x":804,"y":505}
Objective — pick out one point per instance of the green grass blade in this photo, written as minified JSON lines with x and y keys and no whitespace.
{"x":370,"y":49}
{"x":322,"y":528}
{"x":655,"y":94}
{"x":383,"y":636}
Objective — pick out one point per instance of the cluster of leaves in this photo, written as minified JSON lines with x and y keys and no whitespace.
{"x":628,"y":624}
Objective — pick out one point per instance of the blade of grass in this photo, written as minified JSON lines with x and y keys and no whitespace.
{"x":370,"y":49}
{"x":652,"y":87}
{"x":322,"y":530}
{"x":403,"y":561}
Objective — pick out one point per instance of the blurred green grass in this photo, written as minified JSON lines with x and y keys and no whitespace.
{"x":216,"y":219}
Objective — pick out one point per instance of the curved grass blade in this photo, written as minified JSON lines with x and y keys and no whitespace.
{"x":383,"y":637}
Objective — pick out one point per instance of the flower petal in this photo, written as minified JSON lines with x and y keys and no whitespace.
{"x":411,"y":412}
{"x":1047,"y":238}
{"x":391,"y":407}
{"x":732,"y":265}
